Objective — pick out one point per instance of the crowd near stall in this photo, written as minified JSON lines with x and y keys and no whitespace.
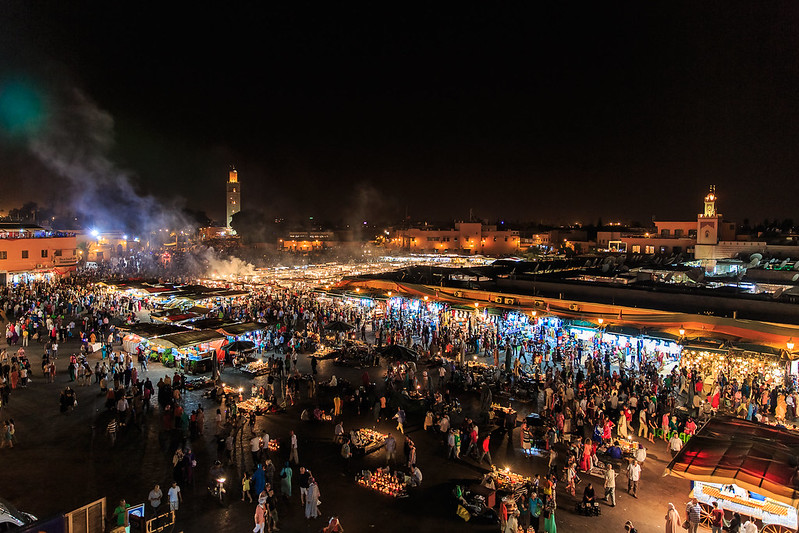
{"x":588,"y":396}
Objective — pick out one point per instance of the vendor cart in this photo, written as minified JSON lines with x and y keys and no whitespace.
{"x":772,"y":515}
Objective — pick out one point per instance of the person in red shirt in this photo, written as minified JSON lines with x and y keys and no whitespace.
{"x":485,"y":450}
{"x":690,"y":427}
{"x":716,"y":518}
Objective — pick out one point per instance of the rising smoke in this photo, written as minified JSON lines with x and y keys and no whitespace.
{"x":75,"y":143}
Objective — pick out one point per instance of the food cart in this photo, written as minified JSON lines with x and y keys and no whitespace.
{"x":774,"y":516}
{"x":747,"y":467}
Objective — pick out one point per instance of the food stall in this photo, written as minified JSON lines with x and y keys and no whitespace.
{"x":747,"y":467}
{"x":192,"y":350}
{"x":506,"y":480}
{"x":137,"y":336}
{"x":256,"y":368}
{"x":365,"y":441}
{"x":257,"y":405}
{"x":774,"y":516}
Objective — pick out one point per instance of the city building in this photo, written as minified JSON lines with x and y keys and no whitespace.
{"x":309,"y":241}
{"x":466,"y":238}
{"x":233,"y":197}
{"x":94,"y":246}
{"x":28,"y":251}
{"x":707,"y":237}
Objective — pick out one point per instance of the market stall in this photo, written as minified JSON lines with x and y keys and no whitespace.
{"x":735,"y":361}
{"x":748,"y":467}
{"x":774,"y":516}
{"x":365,"y":441}
{"x":191,"y":350}
{"x":256,"y":368}
{"x":257,"y":405}
{"x":508,"y":481}
{"x":383,"y":482}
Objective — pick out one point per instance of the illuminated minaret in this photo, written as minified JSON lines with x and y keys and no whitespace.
{"x":233,"y":196}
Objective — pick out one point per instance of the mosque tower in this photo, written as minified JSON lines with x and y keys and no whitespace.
{"x":233,"y":195}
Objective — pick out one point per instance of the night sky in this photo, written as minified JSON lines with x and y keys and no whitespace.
{"x":361,"y":112}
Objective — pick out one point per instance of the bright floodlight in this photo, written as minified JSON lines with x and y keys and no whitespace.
{"x":95,"y":233}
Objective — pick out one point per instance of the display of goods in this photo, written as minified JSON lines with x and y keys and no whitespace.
{"x":253,"y":404}
{"x":368,"y":436}
{"x":767,"y":506}
{"x":502,"y":409}
{"x":505,"y":479}
{"x":274,"y":445}
{"x":256,"y":367}
{"x":384,"y":483}
{"x":628,"y":446}
{"x":477,"y":365}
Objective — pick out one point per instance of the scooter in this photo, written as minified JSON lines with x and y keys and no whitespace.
{"x":217,"y":490}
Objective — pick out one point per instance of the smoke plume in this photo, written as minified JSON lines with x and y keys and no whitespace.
{"x":75,"y":143}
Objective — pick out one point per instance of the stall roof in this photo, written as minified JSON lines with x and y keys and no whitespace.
{"x":150,"y":330}
{"x":233,"y":330}
{"x":181,"y":317}
{"x":628,"y":331}
{"x":230,"y":293}
{"x":188,"y":338}
{"x":660,"y":335}
{"x":210,"y":323}
{"x":754,"y":456}
{"x":760,"y":348}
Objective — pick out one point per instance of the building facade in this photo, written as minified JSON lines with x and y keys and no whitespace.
{"x":28,"y":252}
{"x":233,"y":196}
{"x":467,"y":238}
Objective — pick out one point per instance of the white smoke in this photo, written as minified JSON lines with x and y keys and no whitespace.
{"x":75,"y":143}
{"x":228,"y":266}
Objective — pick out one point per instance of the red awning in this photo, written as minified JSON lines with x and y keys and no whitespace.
{"x":754,"y":456}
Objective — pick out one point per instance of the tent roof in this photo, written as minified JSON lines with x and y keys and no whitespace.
{"x":188,"y":338}
{"x":754,"y":456}
{"x":233,"y":330}
{"x":151,"y":330}
{"x":210,"y":323}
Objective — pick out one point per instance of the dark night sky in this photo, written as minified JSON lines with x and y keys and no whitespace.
{"x":360,"y":111}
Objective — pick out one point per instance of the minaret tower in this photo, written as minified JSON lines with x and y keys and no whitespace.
{"x":707,"y":230}
{"x":233,"y":195}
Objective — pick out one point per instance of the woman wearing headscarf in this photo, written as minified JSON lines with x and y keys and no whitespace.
{"x":312,"y":500}
{"x":673,"y":522}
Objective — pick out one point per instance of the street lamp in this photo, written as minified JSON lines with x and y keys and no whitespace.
{"x":789,"y":344}
{"x":601,"y":321}
{"x":682,"y":331}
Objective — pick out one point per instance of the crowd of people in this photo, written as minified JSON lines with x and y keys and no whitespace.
{"x":591,"y":407}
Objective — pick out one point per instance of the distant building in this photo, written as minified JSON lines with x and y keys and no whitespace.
{"x":233,"y":197}
{"x":101,"y":246}
{"x":716,"y":237}
{"x":707,"y":237}
{"x":28,"y":251}
{"x":309,"y":241}
{"x":465,"y":238}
